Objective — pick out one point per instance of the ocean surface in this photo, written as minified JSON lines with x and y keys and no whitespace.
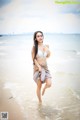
{"x":62,"y":100}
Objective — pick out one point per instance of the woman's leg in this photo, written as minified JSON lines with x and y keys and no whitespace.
{"x":47,"y":85}
{"x":39,"y":85}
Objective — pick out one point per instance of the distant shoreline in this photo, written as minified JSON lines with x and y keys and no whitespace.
{"x":1,"y":35}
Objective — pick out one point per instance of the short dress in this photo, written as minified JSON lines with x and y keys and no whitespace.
{"x":45,"y":73}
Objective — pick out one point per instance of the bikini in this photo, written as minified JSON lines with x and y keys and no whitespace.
{"x":42,"y":53}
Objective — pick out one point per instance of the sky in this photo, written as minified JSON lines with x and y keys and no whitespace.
{"x":24,"y":16}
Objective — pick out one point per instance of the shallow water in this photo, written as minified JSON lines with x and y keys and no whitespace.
{"x":59,"y":103}
{"x":62,"y":100}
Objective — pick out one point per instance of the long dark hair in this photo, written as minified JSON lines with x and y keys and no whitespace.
{"x":36,"y":43}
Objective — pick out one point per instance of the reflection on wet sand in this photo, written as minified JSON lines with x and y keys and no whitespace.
{"x":47,"y":112}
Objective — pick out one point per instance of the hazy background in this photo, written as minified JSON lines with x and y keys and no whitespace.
{"x":22,"y":16}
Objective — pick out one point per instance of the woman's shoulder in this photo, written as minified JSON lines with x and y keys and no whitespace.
{"x":33,"y":48}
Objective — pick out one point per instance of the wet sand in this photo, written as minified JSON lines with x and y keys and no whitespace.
{"x":9,"y":104}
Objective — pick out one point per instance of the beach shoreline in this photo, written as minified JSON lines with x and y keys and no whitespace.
{"x":10,"y":105}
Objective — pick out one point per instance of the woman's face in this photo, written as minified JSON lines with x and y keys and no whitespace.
{"x":39,"y":37}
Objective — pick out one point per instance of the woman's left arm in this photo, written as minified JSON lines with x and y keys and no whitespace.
{"x":48,"y":51}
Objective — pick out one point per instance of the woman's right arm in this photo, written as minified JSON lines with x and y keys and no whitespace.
{"x":34,"y":60}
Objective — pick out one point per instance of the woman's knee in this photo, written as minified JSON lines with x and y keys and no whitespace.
{"x":49,"y":83}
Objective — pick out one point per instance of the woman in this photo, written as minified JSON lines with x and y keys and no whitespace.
{"x":40,"y":53}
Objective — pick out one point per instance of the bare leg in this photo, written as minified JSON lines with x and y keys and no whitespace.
{"x":39,"y":85}
{"x":47,"y":85}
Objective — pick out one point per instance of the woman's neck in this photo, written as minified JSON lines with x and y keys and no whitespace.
{"x":40,"y":44}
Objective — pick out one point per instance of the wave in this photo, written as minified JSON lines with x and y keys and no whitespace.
{"x":78,"y":52}
{"x":66,"y":53}
{"x":76,"y":94}
{"x":2,"y":54}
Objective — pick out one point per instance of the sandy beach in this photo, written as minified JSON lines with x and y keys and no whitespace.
{"x":9,"y":104}
{"x":18,"y":90}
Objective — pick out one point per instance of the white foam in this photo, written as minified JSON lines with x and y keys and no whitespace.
{"x":1,"y":42}
{"x":78,"y":52}
{"x":76,"y":95}
{"x":2,"y":53}
{"x":9,"y":85}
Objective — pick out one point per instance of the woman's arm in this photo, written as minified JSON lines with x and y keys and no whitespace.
{"x":34,"y":60}
{"x":48,"y":51}
{"x":33,"y":53}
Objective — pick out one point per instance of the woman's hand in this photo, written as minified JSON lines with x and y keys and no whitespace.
{"x":48,"y":51}
{"x":46,"y":48}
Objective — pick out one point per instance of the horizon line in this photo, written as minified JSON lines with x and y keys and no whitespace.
{"x":32,"y":33}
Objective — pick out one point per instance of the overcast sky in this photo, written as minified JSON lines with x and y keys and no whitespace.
{"x":22,"y":16}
